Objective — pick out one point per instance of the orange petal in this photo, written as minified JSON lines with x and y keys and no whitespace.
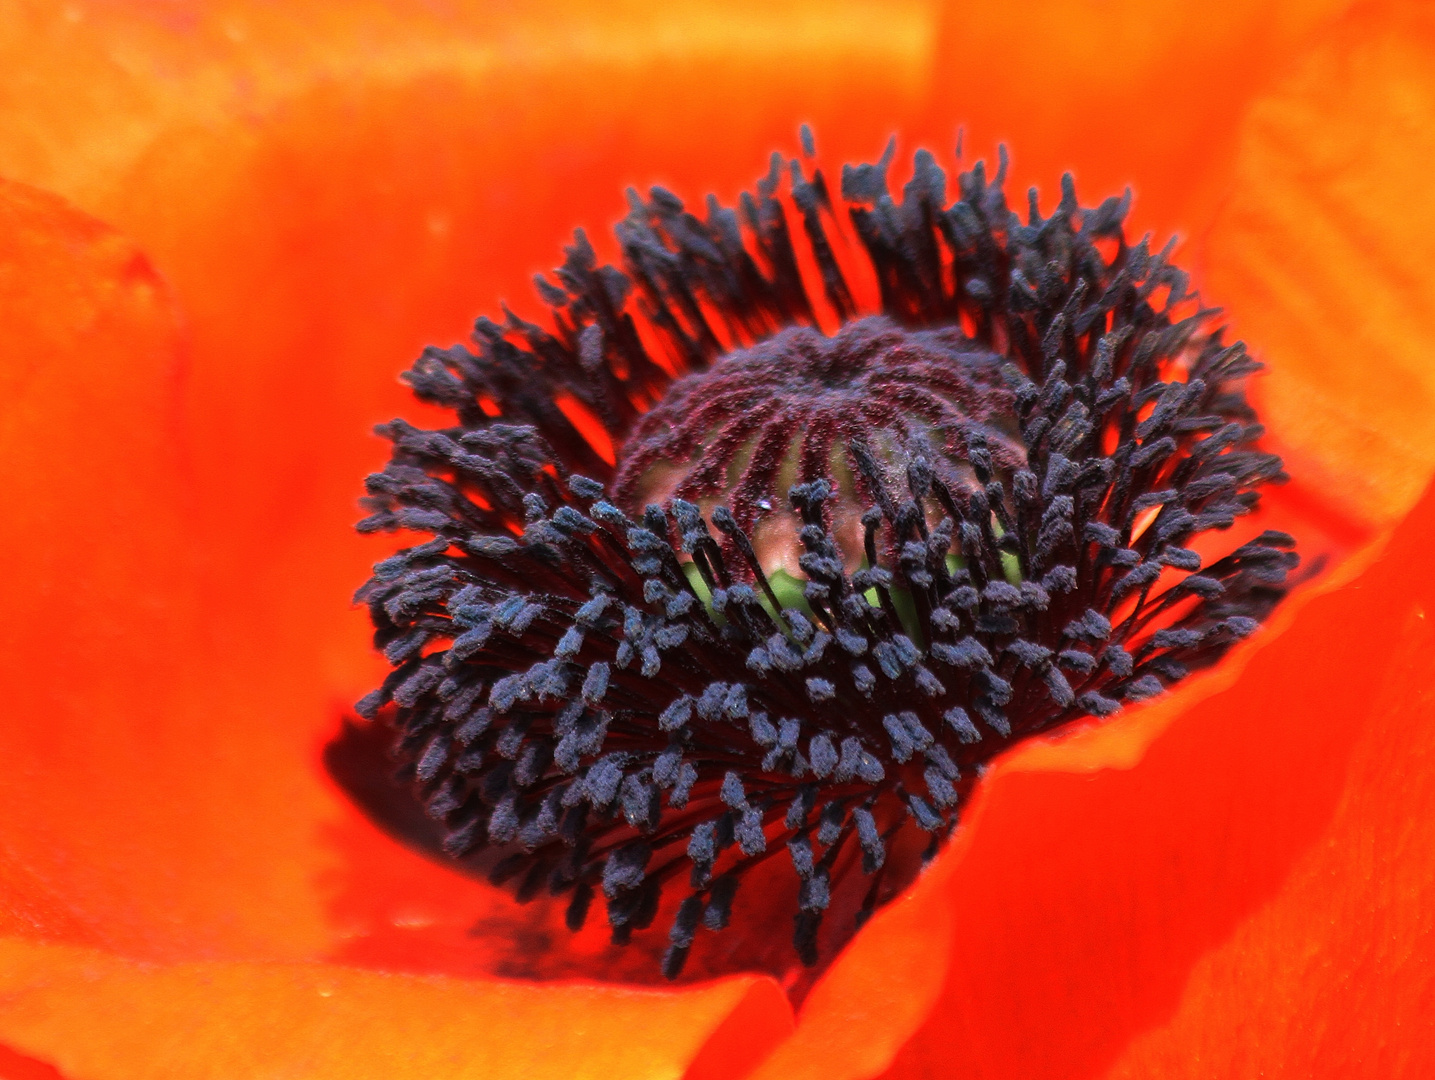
{"x":1131,"y":92}
{"x":102,"y":1018}
{"x":1317,"y":257}
{"x":136,"y":817}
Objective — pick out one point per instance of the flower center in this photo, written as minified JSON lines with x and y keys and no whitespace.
{"x":857,"y":410}
{"x":828,"y":576}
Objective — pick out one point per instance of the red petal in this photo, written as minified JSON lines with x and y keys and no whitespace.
{"x":1335,"y":975}
{"x":109,"y":832}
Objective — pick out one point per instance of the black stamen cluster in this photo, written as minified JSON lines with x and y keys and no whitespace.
{"x":612,"y":699}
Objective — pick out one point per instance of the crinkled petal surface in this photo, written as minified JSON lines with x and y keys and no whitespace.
{"x":1333,"y":975}
{"x":1125,"y":92}
{"x":1229,"y":882}
{"x":1318,"y":254}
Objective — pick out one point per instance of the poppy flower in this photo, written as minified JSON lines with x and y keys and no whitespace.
{"x":226,"y":229}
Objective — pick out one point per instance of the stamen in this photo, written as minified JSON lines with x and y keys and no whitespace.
{"x":791,"y":607}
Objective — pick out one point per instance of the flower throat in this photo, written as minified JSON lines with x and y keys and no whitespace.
{"x":839,"y":560}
